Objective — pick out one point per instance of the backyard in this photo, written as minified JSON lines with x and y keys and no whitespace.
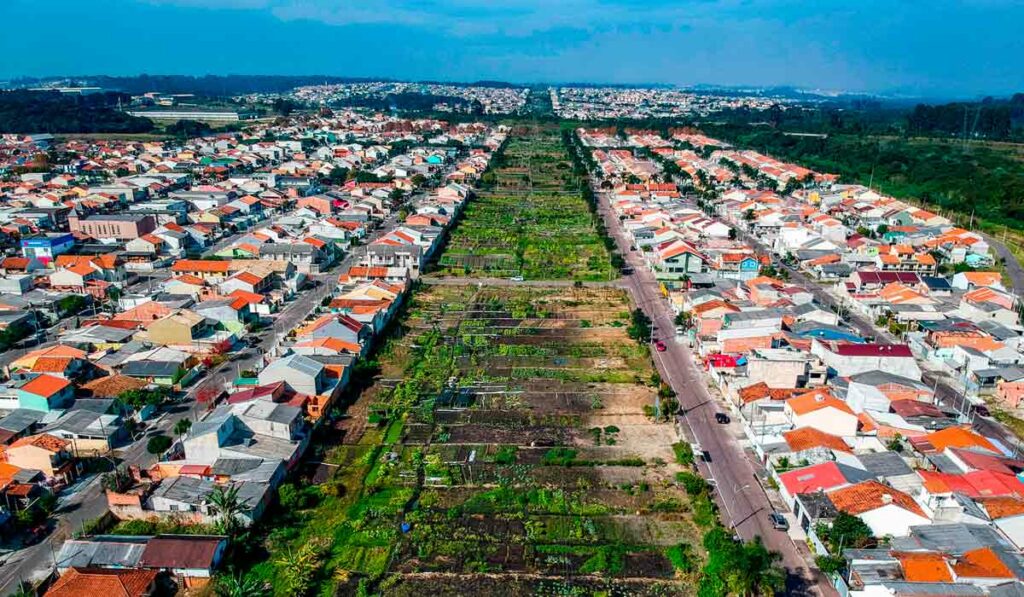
{"x":529,"y":218}
{"x":505,"y":445}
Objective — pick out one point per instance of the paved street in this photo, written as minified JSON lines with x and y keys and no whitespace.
{"x":744,"y":504}
{"x":1014,"y":271}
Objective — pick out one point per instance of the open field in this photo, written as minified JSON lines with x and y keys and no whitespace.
{"x":503,"y":447}
{"x":530,"y":220}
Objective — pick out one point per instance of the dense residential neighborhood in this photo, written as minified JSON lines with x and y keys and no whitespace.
{"x":352,"y":348}
{"x":860,"y":344}
{"x":193,"y":312}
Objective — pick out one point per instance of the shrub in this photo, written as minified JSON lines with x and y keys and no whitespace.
{"x":693,"y":484}
{"x":559,"y":457}
{"x":682,"y":558}
{"x":684,"y":453}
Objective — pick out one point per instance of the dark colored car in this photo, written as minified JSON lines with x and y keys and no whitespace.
{"x":722,"y":418}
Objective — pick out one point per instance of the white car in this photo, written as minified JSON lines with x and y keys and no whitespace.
{"x":517,"y":278}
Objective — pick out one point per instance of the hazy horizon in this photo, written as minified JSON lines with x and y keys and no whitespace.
{"x":756,"y":43}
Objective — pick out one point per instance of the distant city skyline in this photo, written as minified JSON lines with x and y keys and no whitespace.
{"x":907,"y":48}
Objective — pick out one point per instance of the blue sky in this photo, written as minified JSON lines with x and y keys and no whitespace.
{"x":925,"y":47}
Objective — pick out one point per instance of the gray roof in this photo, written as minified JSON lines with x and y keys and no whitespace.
{"x":266,"y":410}
{"x":150,"y":369}
{"x":221,"y":415}
{"x":102,"y":551}
{"x":187,"y":490}
{"x":997,"y":330}
{"x":1010,"y":589}
{"x":378,"y":249}
{"x":86,"y":423}
{"x":297,"y":362}
{"x":20,"y":419}
{"x":250,"y":470}
{"x":936,"y":589}
{"x":757,"y":315}
{"x":97,"y":333}
{"x":877,"y":378}
{"x":286,"y":249}
{"x":955,"y":538}
{"x":885,"y":464}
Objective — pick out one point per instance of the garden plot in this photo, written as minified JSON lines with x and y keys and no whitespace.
{"x":531,"y":222}
{"x":507,"y":438}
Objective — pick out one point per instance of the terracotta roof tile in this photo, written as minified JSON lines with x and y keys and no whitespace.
{"x":871,"y":495}
{"x":807,"y":438}
{"x":48,"y":442}
{"x":924,"y":567}
{"x":77,"y":582}
{"x":981,"y":563}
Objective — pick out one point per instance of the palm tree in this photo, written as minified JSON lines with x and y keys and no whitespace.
{"x":225,"y":503}
{"x":182,"y":427}
{"x":24,"y":590}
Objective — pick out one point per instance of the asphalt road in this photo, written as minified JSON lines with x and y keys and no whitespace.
{"x":1014,"y":271}
{"x":743,"y":501}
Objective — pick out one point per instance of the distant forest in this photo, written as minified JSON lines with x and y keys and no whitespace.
{"x":990,"y":119}
{"x":975,"y":179}
{"x":27,"y":112}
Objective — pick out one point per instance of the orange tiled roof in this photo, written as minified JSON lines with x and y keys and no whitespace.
{"x":45,"y":385}
{"x":870,"y":495}
{"x":48,"y":442}
{"x":76,"y":582}
{"x":807,"y":438}
{"x":924,"y":567}
{"x":816,"y":400}
{"x":959,"y":437}
{"x":51,"y":364}
{"x":113,"y":385}
{"x":981,"y":563}
{"x":199,"y":265}
{"x":1002,"y":506}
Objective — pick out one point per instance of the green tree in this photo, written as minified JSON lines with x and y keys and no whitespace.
{"x":158,"y":444}
{"x":846,"y":531}
{"x":137,"y":399}
{"x":337,"y":175}
{"x":745,"y":569}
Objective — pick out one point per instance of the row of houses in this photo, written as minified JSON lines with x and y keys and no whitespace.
{"x":845,"y":425}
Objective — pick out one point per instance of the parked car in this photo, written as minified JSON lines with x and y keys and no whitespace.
{"x":660,"y":346}
{"x":778,"y":521}
{"x":721,"y":418}
{"x":516,"y":278}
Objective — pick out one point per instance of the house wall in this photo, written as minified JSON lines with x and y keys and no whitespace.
{"x":743,"y":345}
{"x":777,"y":374}
{"x":169,"y":333}
{"x":31,"y":457}
{"x":1010,"y":393}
